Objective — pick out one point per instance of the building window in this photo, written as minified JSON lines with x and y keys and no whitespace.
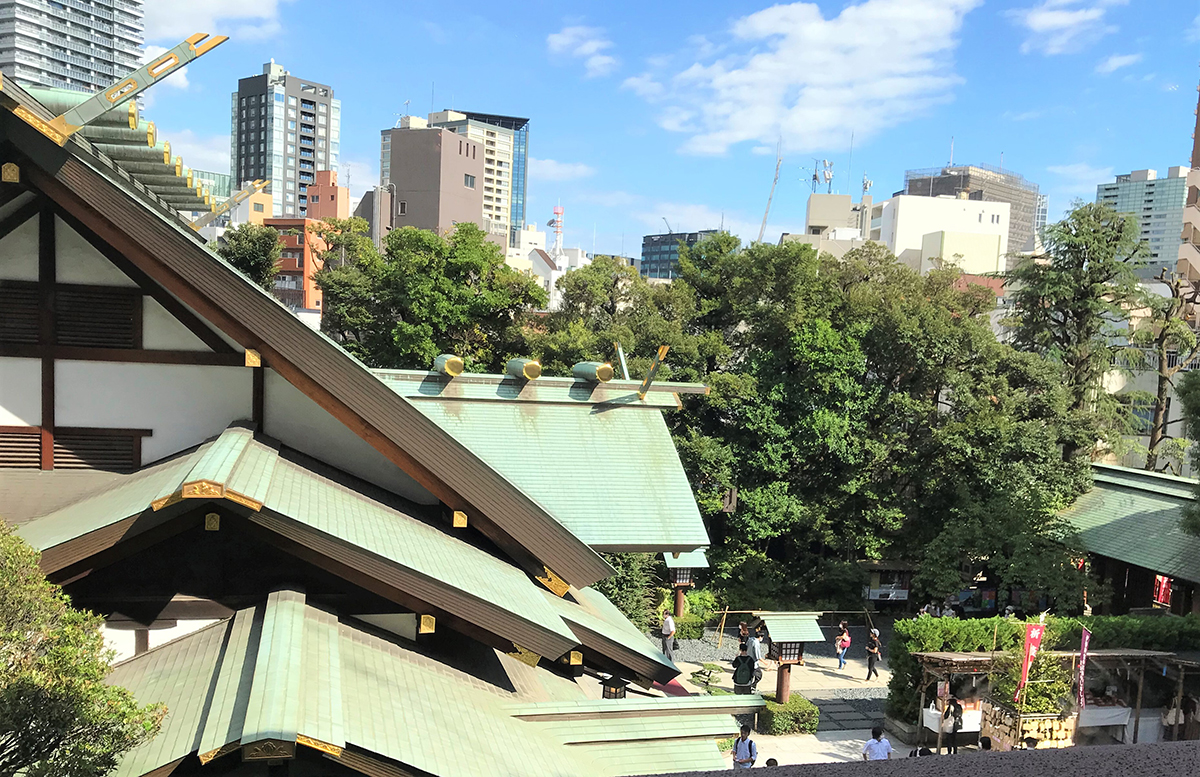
{"x":403,"y":208}
{"x":258,"y":207}
{"x":313,"y":199}
{"x":468,"y":181}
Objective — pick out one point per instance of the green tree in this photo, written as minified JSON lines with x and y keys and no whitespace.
{"x":632,"y":587}
{"x":1188,"y":393}
{"x":425,"y":295}
{"x":255,"y":250}
{"x":57,"y":715}
{"x":1164,"y":341}
{"x":1071,"y":304}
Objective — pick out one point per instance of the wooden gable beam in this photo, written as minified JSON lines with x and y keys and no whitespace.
{"x":527,"y":525}
{"x":181,"y":313}
{"x":20,"y":216}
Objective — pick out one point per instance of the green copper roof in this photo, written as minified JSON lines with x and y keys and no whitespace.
{"x":609,"y":474}
{"x":601,"y":620}
{"x":638,"y":707}
{"x":694,"y":560}
{"x":792,"y":626}
{"x":303,"y":491}
{"x":286,"y":670}
{"x":1133,"y":516}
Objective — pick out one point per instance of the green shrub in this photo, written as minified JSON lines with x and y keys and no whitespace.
{"x":702,"y":603}
{"x":725,"y":745}
{"x":798,"y":716}
{"x":689,"y":627}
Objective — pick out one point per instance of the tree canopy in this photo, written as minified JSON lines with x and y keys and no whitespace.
{"x":424,"y":295}
{"x":254,"y":249}
{"x":57,"y":715}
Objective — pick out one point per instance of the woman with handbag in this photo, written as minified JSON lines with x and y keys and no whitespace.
{"x":842,"y":642}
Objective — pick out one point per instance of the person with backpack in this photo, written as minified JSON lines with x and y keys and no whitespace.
{"x":756,"y":649}
{"x":952,"y":723}
{"x":743,"y":671}
{"x":874,"y":651}
{"x":745,"y":752}
{"x":842,"y":642}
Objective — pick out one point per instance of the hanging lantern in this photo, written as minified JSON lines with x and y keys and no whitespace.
{"x":614,"y":687}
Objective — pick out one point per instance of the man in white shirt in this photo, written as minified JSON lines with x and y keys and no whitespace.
{"x":745,"y":753}
{"x":756,"y":650}
{"x":668,"y":636}
{"x":877,"y":747}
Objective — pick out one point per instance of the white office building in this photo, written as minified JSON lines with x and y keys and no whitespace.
{"x":932,"y":232}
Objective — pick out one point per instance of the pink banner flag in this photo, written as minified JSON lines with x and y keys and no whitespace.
{"x":1083,"y":655}
{"x":1033,"y":643}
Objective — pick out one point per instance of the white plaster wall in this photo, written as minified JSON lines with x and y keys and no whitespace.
{"x":297,"y":421}
{"x":183,"y":404}
{"x":19,"y":253}
{"x":78,"y":262}
{"x":122,"y":640}
{"x":162,"y":332}
{"x":20,"y":392}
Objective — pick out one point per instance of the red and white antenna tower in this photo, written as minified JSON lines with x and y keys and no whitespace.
{"x":556,"y":250}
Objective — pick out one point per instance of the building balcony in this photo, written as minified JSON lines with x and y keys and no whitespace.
{"x":293,"y":298}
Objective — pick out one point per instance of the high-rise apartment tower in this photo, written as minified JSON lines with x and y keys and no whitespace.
{"x":284,"y":129}
{"x":83,"y":45}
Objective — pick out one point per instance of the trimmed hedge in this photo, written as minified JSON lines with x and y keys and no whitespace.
{"x":798,"y":716}
{"x":926,"y":634}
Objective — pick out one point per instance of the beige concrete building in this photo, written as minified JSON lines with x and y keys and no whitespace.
{"x":930,"y":232}
{"x":435,"y":175}
{"x":833,"y":224}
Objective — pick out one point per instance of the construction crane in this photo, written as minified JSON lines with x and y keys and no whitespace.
{"x":242,"y":195}
{"x":669,"y":231}
{"x":778,"y":164}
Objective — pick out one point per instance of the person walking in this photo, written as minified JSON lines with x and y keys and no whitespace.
{"x":756,"y":649}
{"x":877,"y":747}
{"x":842,"y":642}
{"x":745,"y":752}
{"x":743,"y":670}
{"x":874,"y":651}
{"x":952,"y":722}
{"x":668,"y":636}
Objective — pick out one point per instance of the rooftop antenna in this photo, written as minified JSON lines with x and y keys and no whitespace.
{"x":816,"y":179}
{"x":827,"y":174}
{"x":556,"y":250}
{"x":1001,"y":160}
{"x":951,"y":152}
{"x":867,"y":184}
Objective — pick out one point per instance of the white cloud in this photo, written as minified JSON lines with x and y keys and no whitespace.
{"x":209,"y":153}
{"x":1116,"y":62}
{"x":358,"y":176}
{"x":1022,"y":116}
{"x":1193,"y":33}
{"x":550,"y":170}
{"x":789,"y":72}
{"x":644,"y":86}
{"x":586,"y":43}
{"x":175,"y":20}
{"x":1077,"y":181}
{"x":1061,"y":26}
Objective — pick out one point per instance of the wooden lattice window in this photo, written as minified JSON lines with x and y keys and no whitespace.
{"x":21,"y":449}
{"x":18,"y":313}
{"x":98,"y":317}
{"x":114,"y":450}
{"x":790,"y":651}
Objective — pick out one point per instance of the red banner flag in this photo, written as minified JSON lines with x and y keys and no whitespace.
{"x":1083,"y":655}
{"x":1033,"y":643}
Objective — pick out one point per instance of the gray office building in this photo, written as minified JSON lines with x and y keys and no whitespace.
{"x":283,"y":129}
{"x":989,"y":184}
{"x":83,"y":45}
{"x":660,"y":253}
{"x":1158,"y":204}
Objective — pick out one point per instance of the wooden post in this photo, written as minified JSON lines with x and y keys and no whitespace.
{"x":941,"y":733}
{"x":783,"y":683}
{"x":921,"y":708}
{"x":679,"y":599}
{"x":141,"y":641}
{"x":1137,"y":712}
{"x":721,"y":628}
{"x":1178,"y":707}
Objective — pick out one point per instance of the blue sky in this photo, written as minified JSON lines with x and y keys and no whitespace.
{"x":648,"y":110}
